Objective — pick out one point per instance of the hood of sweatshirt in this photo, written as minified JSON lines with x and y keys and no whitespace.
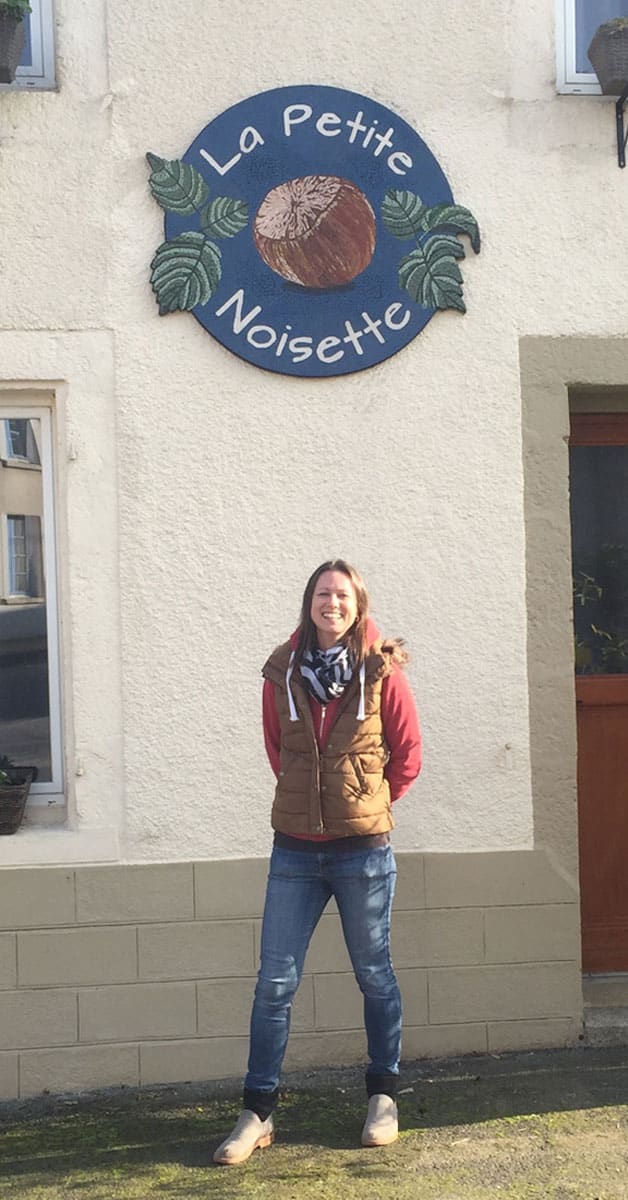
{"x":372,"y":634}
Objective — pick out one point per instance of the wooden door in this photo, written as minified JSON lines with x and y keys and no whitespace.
{"x":599,"y":519}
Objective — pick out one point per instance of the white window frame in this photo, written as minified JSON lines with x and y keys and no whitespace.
{"x":570,"y":81}
{"x":40,"y":75}
{"x":50,"y":791}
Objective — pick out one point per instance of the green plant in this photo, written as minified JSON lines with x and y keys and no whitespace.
{"x":583,"y":655}
{"x":615,"y":23}
{"x":586,"y":588}
{"x":600,"y":596}
{"x":614,"y":651}
{"x":15,"y":8}
{"x":5,"y":763}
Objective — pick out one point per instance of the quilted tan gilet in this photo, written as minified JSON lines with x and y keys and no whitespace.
{"x":340,"y":790}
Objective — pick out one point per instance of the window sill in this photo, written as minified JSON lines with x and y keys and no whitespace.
{"x":581,"y":89}
{"x":17,"y":599}
{"x":32,"y":847}
{"x":44,"y":798}
{"x":21,"y":464}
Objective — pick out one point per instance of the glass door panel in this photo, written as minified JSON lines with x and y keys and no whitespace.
{"x":599,"y":522}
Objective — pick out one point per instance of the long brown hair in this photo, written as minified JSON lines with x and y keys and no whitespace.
{"x":356,"y":638}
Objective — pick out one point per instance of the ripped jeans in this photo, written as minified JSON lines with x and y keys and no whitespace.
{"x":300,"y":884}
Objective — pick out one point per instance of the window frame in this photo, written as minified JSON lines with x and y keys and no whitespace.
{"x":48,"y":792}
{"x":40,"y":75}
{"x":570,"y":81}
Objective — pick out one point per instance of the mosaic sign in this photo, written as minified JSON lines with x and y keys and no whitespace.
{"x":310,"y":231}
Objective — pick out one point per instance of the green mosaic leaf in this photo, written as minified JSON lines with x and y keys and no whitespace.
{"x":452,"y":218}
{"x":224,"y":217}
{"x":185,"y":272}
{"x":431,"y":276}
{"x":176,"y":186}
{"x":402,"y":213}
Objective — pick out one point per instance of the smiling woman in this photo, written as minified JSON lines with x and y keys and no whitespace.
{"x":342,"y":738}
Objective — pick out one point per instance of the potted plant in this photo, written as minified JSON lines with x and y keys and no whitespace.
{"x":608,"y":53}
{"x":12,"y":13}
{"x":15,"y":783}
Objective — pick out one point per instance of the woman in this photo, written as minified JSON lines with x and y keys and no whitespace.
{"x":342,"y":737}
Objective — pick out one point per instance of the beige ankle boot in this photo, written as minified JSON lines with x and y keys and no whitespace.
{"x":381,"y":1126}
{"x":248,"y":1134}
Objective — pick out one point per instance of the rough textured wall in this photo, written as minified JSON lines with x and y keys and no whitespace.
{"x":224,"y":506}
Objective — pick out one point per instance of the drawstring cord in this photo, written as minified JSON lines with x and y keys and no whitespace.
{"x":360,"y":716}
{"x":294,"y":716}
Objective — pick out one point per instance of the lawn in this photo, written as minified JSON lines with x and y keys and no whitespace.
{"x":549,"y":1126}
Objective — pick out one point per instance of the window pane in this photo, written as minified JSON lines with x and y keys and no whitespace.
{"x":26,"y":568}
{"x":599,"y":524}
{"x":16,"y":438}
{"x":18,"y":575}
{"x":27,"y":54}
{"x":24,"y":687}
{"x":589,"y":15}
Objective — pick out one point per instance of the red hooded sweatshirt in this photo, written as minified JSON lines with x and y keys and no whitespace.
{"x":399,"y":720}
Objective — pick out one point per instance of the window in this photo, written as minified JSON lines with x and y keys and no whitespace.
{"x":30,"y":711}
{"x":19,"y":439}
{"x":576,"y":23}
{"x":25,"y":560}
{"x":37,"y":64}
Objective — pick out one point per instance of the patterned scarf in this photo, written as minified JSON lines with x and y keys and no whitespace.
{"x":326,"y":673}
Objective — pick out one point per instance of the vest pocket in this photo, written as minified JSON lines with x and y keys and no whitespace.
{"x":368,"y":771}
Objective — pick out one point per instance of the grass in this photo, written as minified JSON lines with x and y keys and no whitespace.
{"x":548,"y":1126}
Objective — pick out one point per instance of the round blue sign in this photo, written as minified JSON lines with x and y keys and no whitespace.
{"x":310,"y":231}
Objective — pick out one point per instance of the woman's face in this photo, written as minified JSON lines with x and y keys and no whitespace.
{"x":334,"y":608}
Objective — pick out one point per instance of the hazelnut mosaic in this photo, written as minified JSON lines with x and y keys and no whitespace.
{"x":317,"y":231}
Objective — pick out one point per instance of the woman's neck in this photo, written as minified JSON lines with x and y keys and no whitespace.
{"x":327,"y":642}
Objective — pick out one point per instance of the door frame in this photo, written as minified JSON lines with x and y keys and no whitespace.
{"x":556,"y":372}
{"x":599,"y":691}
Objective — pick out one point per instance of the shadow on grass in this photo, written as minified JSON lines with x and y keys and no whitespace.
{"x":493,"y":1087}
{"x":92,"y":1145}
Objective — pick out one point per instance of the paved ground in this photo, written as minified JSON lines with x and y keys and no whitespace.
{"x":542,"y":1126}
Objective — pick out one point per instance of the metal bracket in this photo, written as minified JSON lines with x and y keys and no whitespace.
{"x":622,"y":137}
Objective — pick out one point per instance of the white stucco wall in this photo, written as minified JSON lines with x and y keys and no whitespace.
{"x":223,"y":506}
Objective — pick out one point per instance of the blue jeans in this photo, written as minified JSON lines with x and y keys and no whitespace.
{"x":300,"y":884}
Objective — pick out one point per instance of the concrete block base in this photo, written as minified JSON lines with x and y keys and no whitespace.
{"x":145,"y":975}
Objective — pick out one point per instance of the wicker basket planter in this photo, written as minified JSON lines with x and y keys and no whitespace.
{"x":609,"y":54}
{"x":12,"y":38}
{"x":13,"y":797}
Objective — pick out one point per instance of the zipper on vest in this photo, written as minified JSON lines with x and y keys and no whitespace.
{"x":321,"y":825}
